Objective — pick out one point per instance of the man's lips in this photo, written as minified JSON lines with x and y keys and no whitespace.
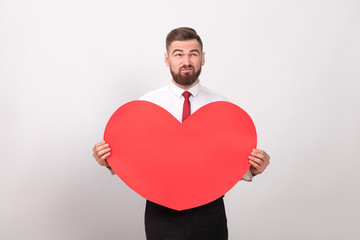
{"x":188,"y":69}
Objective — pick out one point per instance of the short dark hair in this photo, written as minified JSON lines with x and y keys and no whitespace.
{"x":182,"y":34}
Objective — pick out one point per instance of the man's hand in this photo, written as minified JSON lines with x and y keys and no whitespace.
{"x":101,"y":151}
{"x":259,"y":160}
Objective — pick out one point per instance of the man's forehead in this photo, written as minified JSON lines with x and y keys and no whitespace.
{"x":186,"y":45}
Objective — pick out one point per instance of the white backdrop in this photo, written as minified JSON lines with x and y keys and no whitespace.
{"x":65,"y":67}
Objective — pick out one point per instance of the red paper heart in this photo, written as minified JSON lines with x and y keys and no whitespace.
{"x":180,"y":165}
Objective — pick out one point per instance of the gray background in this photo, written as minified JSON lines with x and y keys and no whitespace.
{"x":66,"y":66}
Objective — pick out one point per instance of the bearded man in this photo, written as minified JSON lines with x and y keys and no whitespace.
{"x":185,"y":57}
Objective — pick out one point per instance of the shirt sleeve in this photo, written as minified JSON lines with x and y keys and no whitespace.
{"x":248,"y":176}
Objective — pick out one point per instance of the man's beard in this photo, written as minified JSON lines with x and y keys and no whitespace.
{"x":186,"y":79}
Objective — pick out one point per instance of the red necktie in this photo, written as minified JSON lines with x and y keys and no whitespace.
{"x":186,"y":107}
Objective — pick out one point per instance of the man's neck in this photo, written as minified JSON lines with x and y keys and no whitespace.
{"x":186,"y":87}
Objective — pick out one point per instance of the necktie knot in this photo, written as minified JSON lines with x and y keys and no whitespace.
{"x":186,"y":94}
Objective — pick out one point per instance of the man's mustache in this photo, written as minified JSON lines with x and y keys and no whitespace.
{"x":187,"y":66}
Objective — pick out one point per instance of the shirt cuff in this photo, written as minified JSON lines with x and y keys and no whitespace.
{"x":248,"y":176}
{"x":112,"y":171}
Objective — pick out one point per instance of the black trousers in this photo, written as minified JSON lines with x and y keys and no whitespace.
{"x":207,"y":222}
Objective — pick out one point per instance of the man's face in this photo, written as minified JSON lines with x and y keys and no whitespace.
{"x":185,"y":60}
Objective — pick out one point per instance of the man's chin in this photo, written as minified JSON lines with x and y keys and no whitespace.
{"x":185,"y":83}
{"x":185,"y":78}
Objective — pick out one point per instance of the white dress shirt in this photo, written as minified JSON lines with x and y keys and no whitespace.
{"x":171,"y":99}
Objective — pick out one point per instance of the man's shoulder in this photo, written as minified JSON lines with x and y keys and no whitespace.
{"x":213,"y":95}
{"x":155,"y":93}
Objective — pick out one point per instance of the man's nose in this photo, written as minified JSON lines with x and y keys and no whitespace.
{"x":186,"y":60}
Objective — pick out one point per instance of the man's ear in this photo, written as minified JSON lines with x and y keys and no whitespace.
{"x":203,"y":59}
{"x":166,"y":59}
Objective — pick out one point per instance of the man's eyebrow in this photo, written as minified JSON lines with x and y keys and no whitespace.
{"x":180,"y":50}
{"x":177,"y":50}
{"x":195,"y":50}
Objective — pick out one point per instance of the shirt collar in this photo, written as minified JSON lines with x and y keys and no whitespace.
{"x":179,"y":91}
